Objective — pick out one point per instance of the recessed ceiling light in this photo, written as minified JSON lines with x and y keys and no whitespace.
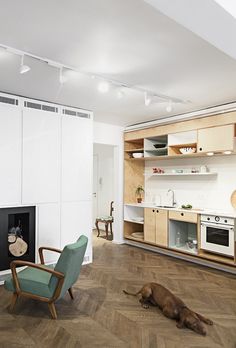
{"x":120,"y":94}
{"x":103,"y":86}
{"x":210,"y":153}
{"x":23,"y":68}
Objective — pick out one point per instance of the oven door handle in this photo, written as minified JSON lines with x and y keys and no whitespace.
{"x":225,"y":227}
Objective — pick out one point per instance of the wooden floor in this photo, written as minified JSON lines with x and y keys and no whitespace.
{"x":102,"y":316}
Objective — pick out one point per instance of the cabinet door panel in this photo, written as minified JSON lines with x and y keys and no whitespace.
{"x":77,"y":150}
{"x":49,"y":229}
{"x":162,"y":227}
{"x":10,"y":154}
{"x":41,"y":156}
{"x":216,"y":138}
{"x":150,"y":225}
{"x":76,"y":219}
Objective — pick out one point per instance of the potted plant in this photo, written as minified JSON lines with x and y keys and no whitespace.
{"x":139,"y":193}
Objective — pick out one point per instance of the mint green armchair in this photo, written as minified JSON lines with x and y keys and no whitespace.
{"x":46,"y":283}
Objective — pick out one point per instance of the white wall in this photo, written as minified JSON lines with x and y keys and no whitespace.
{"x":211,"y":192}
{"x":104,"y":133}
{"x":105,"y":176}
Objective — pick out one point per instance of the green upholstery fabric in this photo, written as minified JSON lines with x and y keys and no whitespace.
{"x":69,"y":264}
{"x":32,"y":280}
{"x":42,"y":283}
{"x":105,"y":218}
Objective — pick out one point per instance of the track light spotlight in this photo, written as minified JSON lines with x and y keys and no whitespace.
{"x":23,"y":68}
{"x":62,"y":77}
{"x":103,"y":86}
{"x":169,"y":106}
{"x":147,"y":99}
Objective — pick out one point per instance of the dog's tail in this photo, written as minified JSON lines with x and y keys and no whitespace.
{"x":132,"y":294}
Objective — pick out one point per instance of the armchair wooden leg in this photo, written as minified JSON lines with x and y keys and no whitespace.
{"x":13,"y":301}
{"x":71,"y":293}
{"x":52,"y":309}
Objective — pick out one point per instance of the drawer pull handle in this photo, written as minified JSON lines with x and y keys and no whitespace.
{"x":182,"y":214}
{"x":157,"y":211}
{"x":153,"y":211}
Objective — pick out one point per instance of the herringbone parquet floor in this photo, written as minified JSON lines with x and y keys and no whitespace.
{"x":102,"y":316}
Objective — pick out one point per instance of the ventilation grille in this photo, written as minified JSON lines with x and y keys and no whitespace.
{"x":40,"y":107}
{"x":7,"y":100}
{"x":75,"y":113}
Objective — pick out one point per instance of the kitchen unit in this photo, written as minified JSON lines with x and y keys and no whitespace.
{"x":172,"y":230}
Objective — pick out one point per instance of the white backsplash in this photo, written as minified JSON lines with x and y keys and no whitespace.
{"x":209,"y":192}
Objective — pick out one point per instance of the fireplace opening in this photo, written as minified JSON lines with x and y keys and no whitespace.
{"x":17,"y":233}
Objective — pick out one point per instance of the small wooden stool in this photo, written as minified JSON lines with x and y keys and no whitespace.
{"x":107,"y":220}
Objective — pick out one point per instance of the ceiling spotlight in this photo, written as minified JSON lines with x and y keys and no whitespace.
{"x":62,"y":77}
{"x":23,"y":68}
{"x":147,"y":99}
{"x":120,"y":94}
{"x":169,"y":106}
{"x":103,"y":86}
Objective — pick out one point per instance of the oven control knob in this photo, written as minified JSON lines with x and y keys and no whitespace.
{"x":208,"y":219}
{"x":226,"y":221}
{"x":217,"y":218}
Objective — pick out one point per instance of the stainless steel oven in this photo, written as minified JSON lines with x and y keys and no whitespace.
{"x":217,"y":234}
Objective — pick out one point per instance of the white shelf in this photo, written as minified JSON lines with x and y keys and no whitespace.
{"x":134,"y":221}
{"x":181,"y":174}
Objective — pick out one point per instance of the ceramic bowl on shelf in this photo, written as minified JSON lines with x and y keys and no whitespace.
{"x":138,"y":235}
{"x":137,"y":155}
{"x":187,"y":150}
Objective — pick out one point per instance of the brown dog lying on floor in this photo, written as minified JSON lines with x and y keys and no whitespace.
{"x":172,"y":307}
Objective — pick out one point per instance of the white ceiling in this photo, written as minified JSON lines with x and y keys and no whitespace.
{"x":125,"y":40}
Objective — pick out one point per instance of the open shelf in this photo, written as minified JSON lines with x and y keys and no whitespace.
{"x":185,"y":249}
{"x":174,"y":150}
{"x":181,"y":174}
{"x":134,"y":221}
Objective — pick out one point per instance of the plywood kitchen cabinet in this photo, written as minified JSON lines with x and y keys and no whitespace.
{"x":216,"y":139}
{"x":156,"y":226}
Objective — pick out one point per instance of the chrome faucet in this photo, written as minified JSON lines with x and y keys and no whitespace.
{"x":173,"y":202}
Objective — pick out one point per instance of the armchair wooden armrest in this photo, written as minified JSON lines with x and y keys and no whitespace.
{"x":49,"y":249}
{"x":15,"y":263}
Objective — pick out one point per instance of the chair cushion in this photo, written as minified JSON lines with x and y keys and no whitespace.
{"x":32,"y":280}
{"x":105,"y":218}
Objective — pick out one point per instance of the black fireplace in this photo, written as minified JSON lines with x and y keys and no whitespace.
{"x":17,"y":235}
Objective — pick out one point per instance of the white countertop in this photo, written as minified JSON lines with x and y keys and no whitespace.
{"x":231,"y":214}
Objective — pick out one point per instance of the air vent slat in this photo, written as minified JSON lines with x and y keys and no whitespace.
{"x":42,"y":107}
{"x":7,"y":100}
{"x":75,"y":113}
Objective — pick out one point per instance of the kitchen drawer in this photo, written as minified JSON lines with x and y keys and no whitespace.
{"x":183,"y":216}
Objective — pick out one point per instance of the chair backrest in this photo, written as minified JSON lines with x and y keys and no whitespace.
{"x":111,"y":208}
{"x":69,"y":263}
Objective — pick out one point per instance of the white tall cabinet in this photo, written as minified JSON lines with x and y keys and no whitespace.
{"x":46,"y":161}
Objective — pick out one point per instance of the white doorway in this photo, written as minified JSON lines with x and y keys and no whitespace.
{"x":103,"y":181}
{"x":95,"y":188}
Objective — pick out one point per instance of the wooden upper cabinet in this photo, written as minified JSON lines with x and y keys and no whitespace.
{"x":156,"y":226}
{"x":216,"y":139}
